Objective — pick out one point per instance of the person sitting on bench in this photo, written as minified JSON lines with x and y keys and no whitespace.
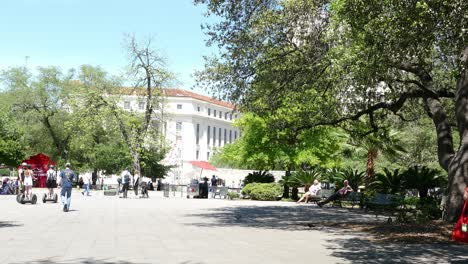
{"x":338,"y":195}
{"x":313,"y":192}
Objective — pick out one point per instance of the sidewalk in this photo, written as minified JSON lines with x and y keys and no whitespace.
{"x":103,"y":229}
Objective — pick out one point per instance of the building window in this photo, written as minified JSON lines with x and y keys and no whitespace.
{"x":208,"y":155}
{"x":178,"y":126}
{"x":225,"y":136}
{"x":214,"y":136}
{"x":209,"y":111}
{"x":179,"y":106}
{"x":198,"y":134}
{"x":197,"y":154}
{"x":220,"y":114}
{"x":225,"y":115}
{"x":126,"y":105}
{"x":235,"y":135}
{"x":214,"y":113}
{"x":198,"y":108}
{"x":230,"y":116}
{"x":219,"y":140}
{"x":235,"y":116}
{"x":208,"y":136}
{"x":230,"y":136}
{"x":141,"y":105}
{"x":178,"y":138}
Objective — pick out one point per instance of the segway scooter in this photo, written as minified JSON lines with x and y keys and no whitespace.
{"x":47,"y":198}
{"x":22,"y":199}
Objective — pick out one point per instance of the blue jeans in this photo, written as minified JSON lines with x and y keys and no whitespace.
{"x":65,"y":195}
{"x":86,"y":189}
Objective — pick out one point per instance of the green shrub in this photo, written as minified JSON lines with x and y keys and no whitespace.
{"x":265,"y":191}
{"x":248,"y":188}
{"x":233,"y":195}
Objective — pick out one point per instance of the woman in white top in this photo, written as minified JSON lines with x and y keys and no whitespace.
{"x":314,"y":191}
{"x":28,"y":182}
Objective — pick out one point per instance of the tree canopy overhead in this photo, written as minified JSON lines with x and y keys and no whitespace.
{"x":307,"y":63}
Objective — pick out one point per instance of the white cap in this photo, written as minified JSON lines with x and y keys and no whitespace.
{"x":24,"y":164}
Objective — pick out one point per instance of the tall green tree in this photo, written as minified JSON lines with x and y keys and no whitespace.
{"x":39,"y":106}
{"x":357,"y":59}
{"x":12,"y":147}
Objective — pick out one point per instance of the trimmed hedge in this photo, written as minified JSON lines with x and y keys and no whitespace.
{"x":262,"y":191}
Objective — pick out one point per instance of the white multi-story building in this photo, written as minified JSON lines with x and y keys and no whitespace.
{"x":195,"y":126}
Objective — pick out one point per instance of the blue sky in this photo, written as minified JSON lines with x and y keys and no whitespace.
{"x":69,"y":33}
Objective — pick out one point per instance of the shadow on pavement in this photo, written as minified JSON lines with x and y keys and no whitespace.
{"x":346,"y":244}
{"x":357,"y":250}
{"x":94,"y":261}
{"x":277,"y":217}
{"x":8,"y":224}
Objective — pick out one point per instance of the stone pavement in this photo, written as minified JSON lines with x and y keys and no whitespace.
{"x":101,"y":229}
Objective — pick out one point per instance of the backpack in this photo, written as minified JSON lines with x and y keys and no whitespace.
{"x":127,"y":178}
{"x":51,"y":175}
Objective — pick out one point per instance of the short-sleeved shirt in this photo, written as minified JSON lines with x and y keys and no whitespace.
{"x":67,"y":176}
{"x":314,"y":189}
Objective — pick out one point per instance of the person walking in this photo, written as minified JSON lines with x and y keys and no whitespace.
{"x":136,"y":183}
{"x":87,"y":183}
{"x":125,"y":182}
{"x":67,"y":176}
{"x":214,"y":184}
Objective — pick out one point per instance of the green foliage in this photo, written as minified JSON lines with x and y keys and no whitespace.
{"x":259,"y":177}
{"x":355,"y":178}
{"x":248,"y":188}
{"x":151,"y":163}
{"x":423,"y":178}
{"x":233,"y":195}
{"x":305,"y":177}
{"x":261,"y":147}
{"x":391,"y":182}
{"x":265,"y":192}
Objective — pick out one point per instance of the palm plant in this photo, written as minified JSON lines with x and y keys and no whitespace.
{"x":423,"y":178}
{"x":329,"y":175}
{"x":354,"y":177}
{"x":306,"y":177}
{"x":388,"y":181}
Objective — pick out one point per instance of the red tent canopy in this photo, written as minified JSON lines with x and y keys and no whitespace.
{"x":203,"y":164}
{"x":39,"y":164}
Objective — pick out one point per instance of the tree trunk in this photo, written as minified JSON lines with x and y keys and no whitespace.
{"x":370,"y":171}
{"x":295,"y":193}
{"x":423,"y":193}
{"x":136,"y":162}
{"x":458,"y":168}
{"x":286,"y":187}
{"x":456,"y":164}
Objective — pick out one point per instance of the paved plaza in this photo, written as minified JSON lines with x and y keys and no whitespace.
{"x":103,"y":229}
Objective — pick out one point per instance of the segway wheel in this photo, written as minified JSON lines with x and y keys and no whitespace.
{"x":23,"y":199}
{"x":44,"y":198}
{"x":34,"y":199}
{"x":55,"y":198}
{"x":18,"y":197}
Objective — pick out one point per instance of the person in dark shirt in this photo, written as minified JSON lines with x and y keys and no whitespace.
{"x":203,"y":188}
{"x":67,"y":176}
{"x":337,"y":195}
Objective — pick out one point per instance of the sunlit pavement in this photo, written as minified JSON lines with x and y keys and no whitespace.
{"x":105,"y":229}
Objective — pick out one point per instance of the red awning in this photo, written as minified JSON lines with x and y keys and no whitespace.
{"x":203,"y":164}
